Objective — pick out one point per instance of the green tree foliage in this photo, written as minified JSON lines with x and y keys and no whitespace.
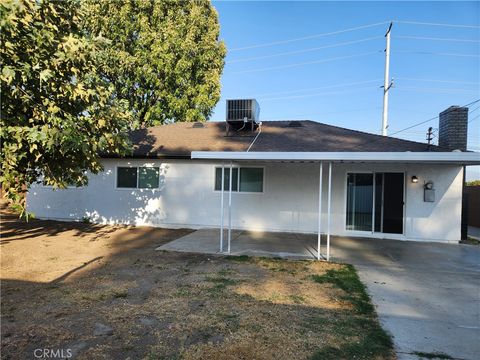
{"x":55,"y":119}
{"x":473,"y":183}
{"x":164,"y":57}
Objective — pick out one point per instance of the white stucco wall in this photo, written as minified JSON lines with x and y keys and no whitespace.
{"x":186,"y":198}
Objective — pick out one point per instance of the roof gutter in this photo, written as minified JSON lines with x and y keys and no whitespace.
{"x":460,"y":158}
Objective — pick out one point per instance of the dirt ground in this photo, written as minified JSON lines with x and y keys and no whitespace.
{"x":103,"y":292}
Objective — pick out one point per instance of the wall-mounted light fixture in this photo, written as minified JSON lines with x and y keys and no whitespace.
{"x":414,"y":179}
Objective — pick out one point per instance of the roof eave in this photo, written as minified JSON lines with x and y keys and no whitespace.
{"x":459,"y":158}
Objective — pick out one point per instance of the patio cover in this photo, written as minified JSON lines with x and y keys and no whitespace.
{"x":454,"y":157}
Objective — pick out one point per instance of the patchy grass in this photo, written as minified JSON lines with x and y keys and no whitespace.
{"x":346,"y":278}
{"x":164,"y":305}
{"x":372,"y":342}
{"x":432,"y":355}
{"x":238,"y":258}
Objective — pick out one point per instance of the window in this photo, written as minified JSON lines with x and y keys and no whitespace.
{"x":127,"y":177}
{"x":226,"y":180}
{"x":148,"y":178}
{"x":250,"y":179}
{"x":141,"y":177}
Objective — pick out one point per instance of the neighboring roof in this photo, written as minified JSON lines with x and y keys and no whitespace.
{"x":178,"y":140}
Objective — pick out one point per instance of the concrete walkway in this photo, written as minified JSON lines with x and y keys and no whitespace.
{"x":427,"y":295}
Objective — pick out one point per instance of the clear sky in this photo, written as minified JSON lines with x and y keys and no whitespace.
{"x":337,"y":78}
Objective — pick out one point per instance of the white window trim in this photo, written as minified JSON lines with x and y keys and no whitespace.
{"x":227,"y":168}
{"x":116,"y":187}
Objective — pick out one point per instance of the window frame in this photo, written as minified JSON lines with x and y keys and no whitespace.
{"x":345,"y":190}
{"x":136,"y":188}
{"x":227,"y":168}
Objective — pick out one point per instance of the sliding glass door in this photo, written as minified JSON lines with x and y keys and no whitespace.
{"x":375,"y":202}
{"x":359,"y":201}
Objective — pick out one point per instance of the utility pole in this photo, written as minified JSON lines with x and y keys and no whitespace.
{"x":430,"y":135}
{"x":386,"y":84}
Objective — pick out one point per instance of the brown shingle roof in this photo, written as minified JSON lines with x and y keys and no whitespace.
{"x":180,"y":139}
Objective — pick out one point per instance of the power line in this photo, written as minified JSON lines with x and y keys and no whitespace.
{"x":437,"y":24}
{"x":475,"y":118}
{"x":437,"y":53}
{"x":304,"y":50}
{"x":317,"y":94}
{"x":319,"y":88}
{"x":439,"y":81}
{"x":473,"y":110}
{"x":308,"y":63}
{"x":431,"y":119}
{"x":308,"y":37}
{"x":434,"y":38}
{"x":439,"y":90}
{"x":418,"y":124}
{"x":310,"y":115}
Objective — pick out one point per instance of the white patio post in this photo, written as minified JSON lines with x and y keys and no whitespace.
{"x":320,"y":187}
{"x":221,"y":206}
{"x":329,"y":208}
{"x":230,"y":207}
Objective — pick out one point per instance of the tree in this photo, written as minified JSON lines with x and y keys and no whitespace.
{"x":164,"y":57}
{"x":55,"y":119}
{"x":473,"y":183}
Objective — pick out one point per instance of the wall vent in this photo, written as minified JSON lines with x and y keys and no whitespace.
{"x":294,"y":124}
{"x":198,"y":125}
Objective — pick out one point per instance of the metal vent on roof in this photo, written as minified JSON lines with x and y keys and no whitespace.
{"x":198,"y":125}
{"x":294,"y":124}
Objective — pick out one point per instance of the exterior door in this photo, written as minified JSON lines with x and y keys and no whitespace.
{"x":375,"y":202}
{"x":393,"y":187}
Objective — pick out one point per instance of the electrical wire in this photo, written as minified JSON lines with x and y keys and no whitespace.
{"x":304,"y":50}
{"x":308,"y":37}
{"x":438,"y":90}
{"x":307,"y":63}
{"x":475,"y":118}
{"x":431,"y":119}
{"x":320,"y":88}
{"x":439,"y":81}
{"x":318,"y":94}
{"x":436,"y":24}
{"x":436,"y":53}
{"x":434,"y":38}
{"x":417,"y":124}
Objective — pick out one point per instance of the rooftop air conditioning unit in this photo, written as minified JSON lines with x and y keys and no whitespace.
{"x":242,"y":115}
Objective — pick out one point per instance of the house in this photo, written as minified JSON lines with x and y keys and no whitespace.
{"x":289,"y":176}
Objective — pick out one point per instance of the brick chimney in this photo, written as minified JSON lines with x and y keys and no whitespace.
{"x":452,"y":129}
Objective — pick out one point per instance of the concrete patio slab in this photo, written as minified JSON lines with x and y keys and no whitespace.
{"x":285,"y":245}
{"x":427,"y":295}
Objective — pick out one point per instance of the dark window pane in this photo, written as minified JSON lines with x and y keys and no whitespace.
{"x":218,"y":179}
{"x":148,"y":177}
{"x":359,"y":201}
{"x":251,"y":179}
{"x":127,"y":177}
{"x":378,"y":201}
